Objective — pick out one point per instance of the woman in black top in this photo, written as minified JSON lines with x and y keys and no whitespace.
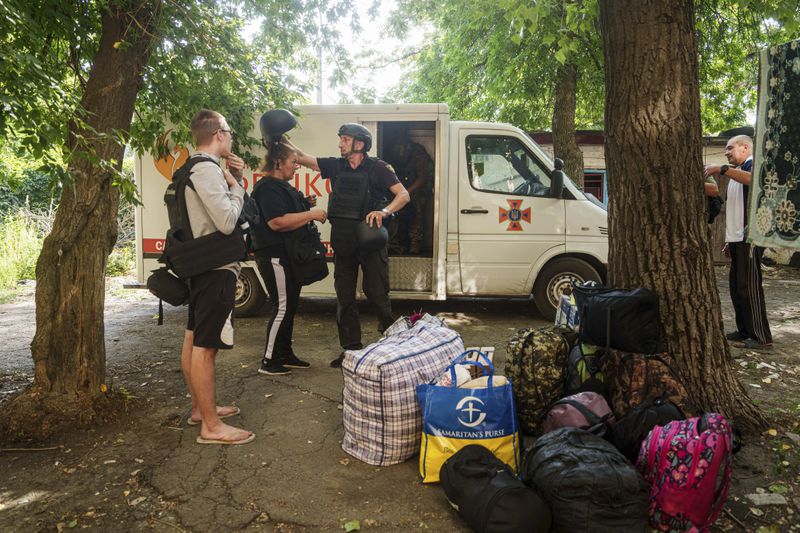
{"x":278,"y":202}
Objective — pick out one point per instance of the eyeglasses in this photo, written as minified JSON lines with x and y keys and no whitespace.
{"x":226,"y":131}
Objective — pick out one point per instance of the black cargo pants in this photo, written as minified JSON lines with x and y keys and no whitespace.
{"x":375,"y":284}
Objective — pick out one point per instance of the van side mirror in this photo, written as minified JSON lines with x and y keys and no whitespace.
{"x":557,"y":179}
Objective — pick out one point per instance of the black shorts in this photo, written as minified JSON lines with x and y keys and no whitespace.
{"x":212,"y":296}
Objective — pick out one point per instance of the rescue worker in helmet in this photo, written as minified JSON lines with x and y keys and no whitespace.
{"x":364,"y":192}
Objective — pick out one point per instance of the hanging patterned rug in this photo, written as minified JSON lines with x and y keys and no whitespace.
{"x":774,"y":191}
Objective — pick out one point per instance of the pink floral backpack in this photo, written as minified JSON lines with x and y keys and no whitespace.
{"x":687,"y":464}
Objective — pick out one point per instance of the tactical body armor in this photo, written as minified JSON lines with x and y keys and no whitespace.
{"x":184,"y":254}
{"x":352,"y":197}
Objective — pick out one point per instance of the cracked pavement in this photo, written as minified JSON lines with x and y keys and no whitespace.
{"x":145,"y":471}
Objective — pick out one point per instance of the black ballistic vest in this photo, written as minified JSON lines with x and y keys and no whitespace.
{"x":353,"y":196}
{"x":184,"y":254}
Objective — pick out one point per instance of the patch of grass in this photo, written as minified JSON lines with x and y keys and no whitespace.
{"x":20,"y":245}
{"x":122,"y":260}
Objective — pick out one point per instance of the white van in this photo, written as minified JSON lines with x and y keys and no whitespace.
{"x":494,"y":228}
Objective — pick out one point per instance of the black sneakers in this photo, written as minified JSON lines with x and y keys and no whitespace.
{"x":735,"y":336}
{"x":337,"y":363}
{"x":273,"y":368}
{"x":292,"y":361}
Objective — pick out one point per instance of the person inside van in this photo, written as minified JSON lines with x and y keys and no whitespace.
{"x":414,"y":168}
{"x":282,"y":209}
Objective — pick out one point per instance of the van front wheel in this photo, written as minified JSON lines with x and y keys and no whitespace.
{"x":556,"y":276}
{"x":250,"y":296}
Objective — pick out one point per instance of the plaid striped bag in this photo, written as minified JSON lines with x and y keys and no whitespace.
{"x":382,"y":419}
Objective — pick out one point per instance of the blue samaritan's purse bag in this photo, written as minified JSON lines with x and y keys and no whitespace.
{"x":454,"y":417}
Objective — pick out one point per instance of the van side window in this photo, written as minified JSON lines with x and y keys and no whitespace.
{"x":503,"y":165}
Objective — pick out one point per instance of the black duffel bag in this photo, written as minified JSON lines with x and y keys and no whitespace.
{"x":589,"y":485}
{"x":167,"y":287}
{"x":489,"y":497}
{"x":623,"y":319}
{"x":307,"y":254}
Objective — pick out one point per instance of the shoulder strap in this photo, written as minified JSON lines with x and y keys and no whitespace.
{"x":591,"y":417}
{"x":294,"y":197}
{"x":175,"y":195}
{"x":189,"y":165}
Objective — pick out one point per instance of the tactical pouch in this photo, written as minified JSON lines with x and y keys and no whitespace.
{"x":165,"y":286}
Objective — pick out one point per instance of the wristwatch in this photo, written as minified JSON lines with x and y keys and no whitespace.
{"x":723,"y":169}
{"x":386,"y":212}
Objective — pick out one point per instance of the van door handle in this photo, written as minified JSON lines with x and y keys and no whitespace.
{"x":478,"y":211}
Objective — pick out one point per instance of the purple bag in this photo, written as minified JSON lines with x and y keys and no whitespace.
{"x":585,"y":410}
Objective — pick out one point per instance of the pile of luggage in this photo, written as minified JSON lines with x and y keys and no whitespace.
{"x":618,"y":445}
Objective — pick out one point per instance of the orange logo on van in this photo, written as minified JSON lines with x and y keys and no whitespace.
{"x":175,"y":157}
{"x":515,"y":215}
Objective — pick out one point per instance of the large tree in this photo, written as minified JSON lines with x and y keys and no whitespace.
{"x":74,"y":75}
{"x":658,"y":234}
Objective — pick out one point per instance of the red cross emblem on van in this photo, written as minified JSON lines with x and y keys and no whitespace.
{"x":515,"y":215}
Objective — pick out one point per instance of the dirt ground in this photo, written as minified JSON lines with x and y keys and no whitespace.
{"x":144,"y":471}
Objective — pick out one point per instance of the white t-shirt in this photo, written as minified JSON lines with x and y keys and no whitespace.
{"x":734,"y":210}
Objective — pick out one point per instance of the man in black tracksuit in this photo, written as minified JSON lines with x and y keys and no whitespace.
{"x":360,"y":186}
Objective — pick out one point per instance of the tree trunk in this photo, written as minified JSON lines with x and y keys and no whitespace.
{"x":659,"y":238}
{"x":69,"y":347}
{"x":564,"y":144}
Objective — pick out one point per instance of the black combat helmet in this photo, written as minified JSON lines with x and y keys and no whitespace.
{"x":357,"y":132}
{"x":275,"y":123}
{"x":371,"y":238}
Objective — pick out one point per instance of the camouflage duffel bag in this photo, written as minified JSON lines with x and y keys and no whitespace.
{"x":535,"y":364}
{"x":635,"y":378}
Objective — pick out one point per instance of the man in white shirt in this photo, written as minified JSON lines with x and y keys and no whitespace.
{"x":214,"y":200}
{"x":747,"y":295}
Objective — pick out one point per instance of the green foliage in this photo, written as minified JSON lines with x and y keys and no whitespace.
{"x":20,"y":244}
{"x":729,"y":36}
{"x":198,"y":59}
{"x":203,"y":61}
{"x":21,"y":184}
{"x":122,"y":260}
{"x":498,"y":61}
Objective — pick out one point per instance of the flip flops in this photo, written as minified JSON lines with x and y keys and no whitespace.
{"x":193,"y":422}
{"x":251,"y":438}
